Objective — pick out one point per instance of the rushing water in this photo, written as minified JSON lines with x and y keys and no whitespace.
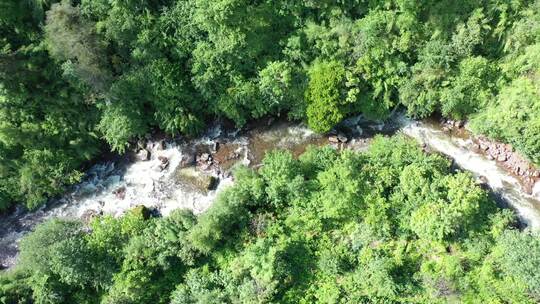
{"x":115,"y":187}
{"x":460,"y":148}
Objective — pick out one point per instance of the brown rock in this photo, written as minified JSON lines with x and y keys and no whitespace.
{"x":528,"y":185}
{"x":232,"y":155}
{"x":120,"y":192}
{"x":164,"y":162}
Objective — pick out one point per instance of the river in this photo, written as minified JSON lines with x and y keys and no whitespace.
{"x":164,"y":182}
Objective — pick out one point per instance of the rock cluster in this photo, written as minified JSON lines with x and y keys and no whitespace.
{"x":188,"y":159}
{"x":338,"y":138}
{"x":90,"y":214}
{"x":505,"y":155}
{"x":205,"y":161}
{"x":145,"y":148}
{"x":511,"y":160}
{"x":234,"y":154}
{"x":449,"y":123}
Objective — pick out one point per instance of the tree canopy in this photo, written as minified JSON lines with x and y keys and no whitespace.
{"x":391,"y":225}
{"x":80,"y":77}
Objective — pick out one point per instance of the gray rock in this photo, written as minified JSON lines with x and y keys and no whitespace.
{"x":342,"y":138}
{"x":120,"y":193}
{"x":215,"y":146}
{"x":196,"y":179}
{"x":204,"y":157}
{"x":89,"y":214}
{"x":459,"y":123}
{"x":159,"y":146}
{"x":333,"y":139}
{"x":164,"y":162}
{"x":188,"y":159}
{"x":143,"y":155}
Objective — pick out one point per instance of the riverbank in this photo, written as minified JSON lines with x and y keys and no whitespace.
{"x":461,"y":146}
{"x":166,"y":174}
{"x":504,"y":154}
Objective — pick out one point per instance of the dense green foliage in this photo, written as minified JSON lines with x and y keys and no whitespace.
{"x":392,"y":225}
{"x":77,"y":75}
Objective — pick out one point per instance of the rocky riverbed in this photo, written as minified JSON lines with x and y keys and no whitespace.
{"x":166,"y":174}
{"x":509,"y":189}
{"x":504,"y":154}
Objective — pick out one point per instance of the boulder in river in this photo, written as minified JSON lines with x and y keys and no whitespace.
{"x":205,"y":161}
{"x":333,"y":139}
{"x":205,"y":157}
{"x":536,"y":189}
{"x":143,"y":155}
{"x":120,"y":193}
{"x":188,"y":159}
{"x":196,"y":179}
{"x":141,"y":211}
{"x":342,"y":138}
{"x":459,"y":123}
{"x":339,"y":138}
{"x":159,"y":145}
{"x":164,"y":162}
{"x":215,"y":146}
{"x":90,"y":214}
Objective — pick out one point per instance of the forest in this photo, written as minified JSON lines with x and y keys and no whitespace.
{"x":78,"y":78}
{"x":82,"y":78}
{"x":392,"y":225}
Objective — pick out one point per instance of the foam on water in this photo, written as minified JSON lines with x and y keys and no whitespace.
{"x":144,"y":183}
{"x":114,"y":187}
{"x":141,"y":183}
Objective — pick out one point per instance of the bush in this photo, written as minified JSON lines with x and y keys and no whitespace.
{"x":325,"y":95}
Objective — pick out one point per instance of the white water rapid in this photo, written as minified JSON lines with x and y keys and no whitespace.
{"x":115,"y":187}
{"x":502,"y":183}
